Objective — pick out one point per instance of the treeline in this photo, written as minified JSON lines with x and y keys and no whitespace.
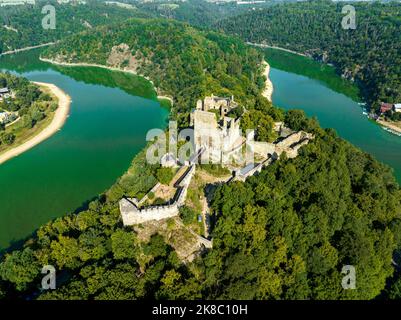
{"x":25,"y":22}
{"x":93,"y":253}
{"x":369,"y":55}
{"x":199,"y":13}
{"x":183,"y":62}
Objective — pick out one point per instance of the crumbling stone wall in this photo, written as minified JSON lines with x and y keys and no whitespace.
{"x":132,"y":215}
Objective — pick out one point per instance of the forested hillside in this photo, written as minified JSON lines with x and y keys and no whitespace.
{"x":21,"y":26}
{"x":370,"y":54}
{"x":200,"y":13}
{"x":284,"y":234}
{"x":181,"y":61}
{"x":287,"y":233}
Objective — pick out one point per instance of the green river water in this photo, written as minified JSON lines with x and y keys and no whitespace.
{"x":110,"y":115}
{"x":301,"y":83}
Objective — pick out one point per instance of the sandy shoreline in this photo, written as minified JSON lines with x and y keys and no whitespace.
{"x":60,"y":116}
{"x":84,"y":64}
{"x":389,"y":125}
{"x":268,"y":91}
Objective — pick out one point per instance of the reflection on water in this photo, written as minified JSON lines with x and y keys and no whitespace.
{"x":110,"y":115}
{"x":338,"y":111}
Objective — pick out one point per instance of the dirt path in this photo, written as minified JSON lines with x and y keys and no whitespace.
{"x":58,"y":121}
{"x":26,"y":48}
{"x":261,"y":45}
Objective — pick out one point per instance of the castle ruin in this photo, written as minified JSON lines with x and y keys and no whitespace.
{"x":215,"y":136}
{"x":214,"y":131}
{"x":132,"y":214}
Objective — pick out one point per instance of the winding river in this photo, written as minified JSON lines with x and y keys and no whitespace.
{"x":301,"y":83}
{"x":110,"y":115}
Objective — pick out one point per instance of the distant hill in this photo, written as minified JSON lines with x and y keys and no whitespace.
{"x":199,"y":13}
{"x":370,"y":54}
{"x":21,"y":26}
{"x":183,"y":62}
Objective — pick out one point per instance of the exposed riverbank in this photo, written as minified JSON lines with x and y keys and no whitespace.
{"x":268,"y":91}
{"x":389,"y":125}
{"x":59,"y":118}
{"x":84,"y":64}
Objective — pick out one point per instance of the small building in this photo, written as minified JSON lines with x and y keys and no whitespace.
{"x":245,"y":170}
{"x":6,"y":117}
{"x":4,"y":93}
{"x":3,"y":117}
{"x":385,"y":107}
{"x":397,"y":107}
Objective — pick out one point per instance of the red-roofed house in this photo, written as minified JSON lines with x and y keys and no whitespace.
{"x":386,"y":107}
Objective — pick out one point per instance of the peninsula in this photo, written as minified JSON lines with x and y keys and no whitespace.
{"x":119,"y":69}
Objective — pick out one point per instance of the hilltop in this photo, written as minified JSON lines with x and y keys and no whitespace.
{"x":21,"y":26}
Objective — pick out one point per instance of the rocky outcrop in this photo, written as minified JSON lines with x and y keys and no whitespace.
{"x":121,"y":57}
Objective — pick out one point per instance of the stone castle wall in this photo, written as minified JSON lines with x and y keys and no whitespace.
{"x":290,"y":145}
{"x":262,"y":148}
{"x":132,"y":215}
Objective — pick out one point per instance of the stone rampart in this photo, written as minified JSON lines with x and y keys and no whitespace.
{"x":132,"y":215}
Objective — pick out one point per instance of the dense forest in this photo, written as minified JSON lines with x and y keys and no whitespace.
{"x":21,"y":26}
{"x":368,"y":55}
{"x":283,"y":234}
{"x":183,"y":62}
{"x":286,"y":233}
{"x":199,"y":13}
